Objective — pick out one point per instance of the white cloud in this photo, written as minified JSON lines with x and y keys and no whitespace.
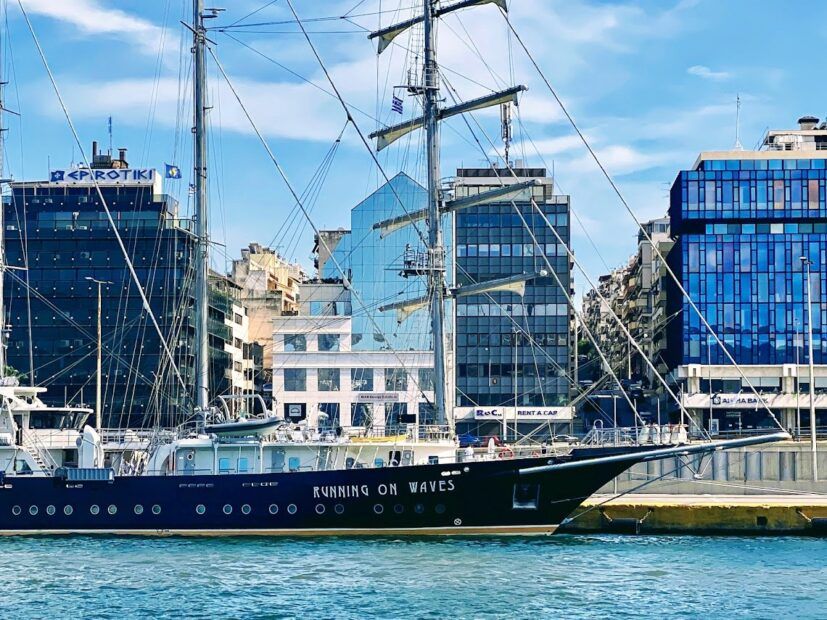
{"x":706,"y":73}
{"x":91,"y":17}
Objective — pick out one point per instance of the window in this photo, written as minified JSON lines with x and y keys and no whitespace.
{"x":361,"y":379}
{"x":295,"y":342}
{"x":329,"y":415}
{"x":426,"y":379}
{"x":223,"y":465}
{"x":328,"y":342}
{"x":361,"y":414}
{"x":329,"y":380}
{"x":295,"y":379}
{"x":243,"y":465}
{"x":396,"y":380}
{"x":396,"y":414}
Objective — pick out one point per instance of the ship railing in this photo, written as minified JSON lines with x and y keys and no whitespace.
{"x":123,"y":436}
{"x":651,"y":434}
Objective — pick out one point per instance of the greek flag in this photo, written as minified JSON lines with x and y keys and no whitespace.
{"x":396,"y":105}
{"x":172,"y":171}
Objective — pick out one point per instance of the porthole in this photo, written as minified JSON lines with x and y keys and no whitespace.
{"x":378,"y":509}
{"x":439,"y":509}
{"x":15,"y":510}
{"x":50,"y":510}
{"x":273,"y":509}
{"x":292,"y":509}
{"x":112,"y":509}
{"x":246,"y":509}
{"x":319,"y":509}
{"x":399,"y":509}
{"x":33,"y":510}
{"x":139,"y":510}
{"x":419,"y":509}
{"x":228,"y":510}
{"x":94,"y":509}
{"x":339,"y":509}
{"x":156,"y":509}
{"x":200,"y":509}
{"x":67,"y":510}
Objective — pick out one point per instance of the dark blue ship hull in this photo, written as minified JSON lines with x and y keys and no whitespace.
{"x":464,"y":498}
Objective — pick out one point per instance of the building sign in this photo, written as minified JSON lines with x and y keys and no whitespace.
{"x":377,"y":397}
{"x":108,"y":176}
{"x":751,"y":401}
{"x":523,"y":414}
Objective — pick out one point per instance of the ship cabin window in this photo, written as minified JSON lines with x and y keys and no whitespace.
{"x":394,"y":458}
{"x":526,"y":496}
{"x":379,"y":462}
{"x":329,"y":342}
{"x":294,"y":463}
{"x":223,"y":465}
{"x":243,"y":465}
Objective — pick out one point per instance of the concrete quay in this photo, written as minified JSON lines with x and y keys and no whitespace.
{"x":697,"y":514}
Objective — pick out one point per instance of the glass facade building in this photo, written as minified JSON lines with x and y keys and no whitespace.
{"x":374,"y":263}
{"x":741,"y":227}
{"x":58,"y":236}
{"x":492,"y":242}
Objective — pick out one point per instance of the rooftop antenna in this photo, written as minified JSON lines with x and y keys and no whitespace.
{"x":738,"y":146}
{"x":109,"y":127}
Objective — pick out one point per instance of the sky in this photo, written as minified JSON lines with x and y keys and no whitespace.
{"x":650,"y":84}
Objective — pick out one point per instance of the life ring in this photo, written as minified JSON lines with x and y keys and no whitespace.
{"x":506,"y":454}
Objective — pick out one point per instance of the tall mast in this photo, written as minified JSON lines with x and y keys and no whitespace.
{"x":436,"y":249}
{"x":432,"y":114}
{"x":201,"y":229}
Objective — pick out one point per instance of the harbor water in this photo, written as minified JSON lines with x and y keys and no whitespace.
{"x":596,"y":576}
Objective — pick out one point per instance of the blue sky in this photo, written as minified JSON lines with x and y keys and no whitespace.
{"x":650,"y":83}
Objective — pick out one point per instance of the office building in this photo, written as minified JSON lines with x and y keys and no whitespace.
{"x":748,"y":225}
{"x":59,"y":242}
{"x":507,"y":343}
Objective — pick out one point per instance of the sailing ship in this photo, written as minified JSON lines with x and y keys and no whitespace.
{"x":260,"y":475}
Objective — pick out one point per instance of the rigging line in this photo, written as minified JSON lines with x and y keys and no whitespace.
{"x":295,"y":196}
{"x":25,"y":229}
{"x":619,"y":495}
{"x":551,"y":269}
{"x":332,"y":94}
{"x":574,"y":212}
{"x":642,"y":228}
{"x":358,"y":129}
{"x":251,"y":13}
{"x":129,"y":265}
{"x":66,"y":317}
{"x":579,"y":265}
{"x":532,"y":341}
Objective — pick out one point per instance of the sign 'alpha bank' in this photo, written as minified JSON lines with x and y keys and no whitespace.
{"x":106,"y":176}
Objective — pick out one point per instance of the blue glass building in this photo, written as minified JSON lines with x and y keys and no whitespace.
{"x":374,"y":264}
{"x":492,"y":242}
{"x":745,"y":223}
{"x":741,"y":226}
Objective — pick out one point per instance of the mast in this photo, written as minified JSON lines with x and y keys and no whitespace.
{"x":201,"y":232}
{"x":436,"y":249}
{"x":433,"y":264}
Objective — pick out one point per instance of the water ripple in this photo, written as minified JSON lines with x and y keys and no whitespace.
{"x":562,"y":576}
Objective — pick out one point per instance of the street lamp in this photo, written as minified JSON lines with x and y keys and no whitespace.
{"x":98,"y":415}
{"x":807,"y":264}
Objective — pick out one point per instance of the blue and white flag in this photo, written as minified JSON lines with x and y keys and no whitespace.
{"x":396,"y":105}
{"x":172,"y":171}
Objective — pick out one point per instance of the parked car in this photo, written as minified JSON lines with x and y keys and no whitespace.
{"x":469,"y":439}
